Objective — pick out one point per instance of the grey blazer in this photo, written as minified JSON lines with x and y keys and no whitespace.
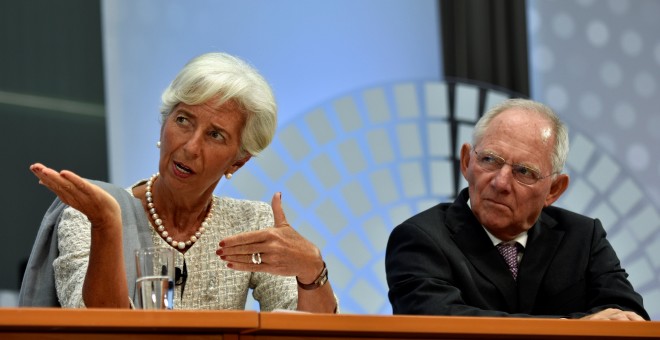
{"x":38,"y":286}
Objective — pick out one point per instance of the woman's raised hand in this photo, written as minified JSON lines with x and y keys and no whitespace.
{"x":100,"y":207}
{"x":280,"y":250}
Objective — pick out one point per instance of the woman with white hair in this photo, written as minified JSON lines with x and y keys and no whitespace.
{"x":216,"y":114}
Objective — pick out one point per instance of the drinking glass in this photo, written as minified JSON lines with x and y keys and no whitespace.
{"x":154,"y":285}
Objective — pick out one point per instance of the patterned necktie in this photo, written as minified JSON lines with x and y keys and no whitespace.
{"x":510,"y":254}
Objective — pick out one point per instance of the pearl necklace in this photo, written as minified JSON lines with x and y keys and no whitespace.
{"x":161,"y":227}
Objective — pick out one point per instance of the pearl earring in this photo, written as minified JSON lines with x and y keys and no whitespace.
{"x":228,"y":175}
{"x":158,"y":144}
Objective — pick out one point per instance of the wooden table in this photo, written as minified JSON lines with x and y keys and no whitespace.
{"x":55,"y":323}
{"x":28,"y":323}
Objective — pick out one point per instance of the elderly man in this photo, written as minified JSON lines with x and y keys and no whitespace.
{"x":501,"y":249}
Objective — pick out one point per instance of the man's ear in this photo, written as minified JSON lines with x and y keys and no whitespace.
{"x":466,"y":150}
{"x":557,"y":188}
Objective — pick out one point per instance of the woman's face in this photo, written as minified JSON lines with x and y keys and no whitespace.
{"x":199,"y":144}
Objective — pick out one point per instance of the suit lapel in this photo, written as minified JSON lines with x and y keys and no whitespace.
{"x":469,"y":236}
{"x":542,"y":243}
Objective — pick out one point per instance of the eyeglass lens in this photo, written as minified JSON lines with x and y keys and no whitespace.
{"x":523,"y":174}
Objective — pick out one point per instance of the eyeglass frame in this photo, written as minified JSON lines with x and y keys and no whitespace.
{"x":514,"y":166}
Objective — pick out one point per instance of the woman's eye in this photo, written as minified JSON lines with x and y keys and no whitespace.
{"x":181,"y":119}
{"x":216,"y":135}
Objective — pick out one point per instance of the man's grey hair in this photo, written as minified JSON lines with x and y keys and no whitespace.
{"x":559,"y":129}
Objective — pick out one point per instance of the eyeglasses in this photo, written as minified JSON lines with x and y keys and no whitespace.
{"x":521,"y":173}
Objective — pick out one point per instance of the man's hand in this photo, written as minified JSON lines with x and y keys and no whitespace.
{"x":614,"y":314}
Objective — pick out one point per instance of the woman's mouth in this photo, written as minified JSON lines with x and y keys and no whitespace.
{"x":182,"y":168}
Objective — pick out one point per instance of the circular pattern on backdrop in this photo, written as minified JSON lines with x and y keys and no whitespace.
{"x":631,"y":43}
{"x":543,"y":59}
{"x":614,"y":55}
{"x":652,"y":123}
{"x":557,"y":97}
{"x":619,"y":6}
{"x":624,"y":115}
{"x":590,"y":105}
{"x":563,"y":25}
{"x":611,"y":74}
{"x":585,"y":3}
{"x":644,"y":85}
{"x":356,"y":166}
{"x":597,"y":33}
{"x":638,"y":157}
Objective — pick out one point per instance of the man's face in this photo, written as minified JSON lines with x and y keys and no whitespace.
{"x":503,"y":205}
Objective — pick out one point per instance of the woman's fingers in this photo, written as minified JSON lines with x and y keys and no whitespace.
{"x":250,"y":237}
{"x":283,"y":252}
{"x":54,"y":181}
{"x":280,"y":250}
{"x":73,"y":190}
{"x":278,"y":213}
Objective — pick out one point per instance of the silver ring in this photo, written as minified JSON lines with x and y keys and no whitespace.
{"x":256,"y":258}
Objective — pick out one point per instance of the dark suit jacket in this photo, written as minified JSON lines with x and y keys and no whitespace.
{"x":441,"y":262}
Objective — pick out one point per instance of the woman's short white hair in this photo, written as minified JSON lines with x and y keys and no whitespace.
{"x":223,"y":77}
{"x":558,"y":128}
